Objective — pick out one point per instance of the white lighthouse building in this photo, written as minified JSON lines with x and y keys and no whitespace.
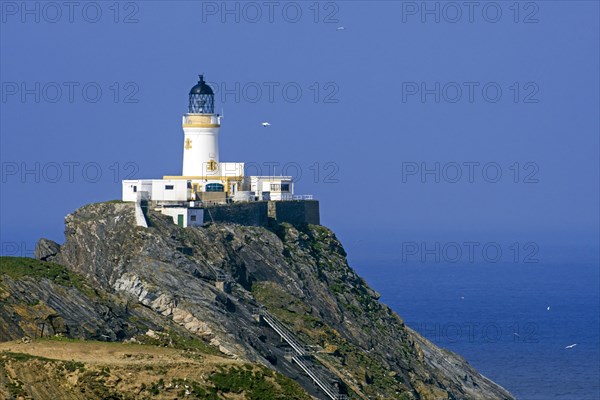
{"x":201,"y":133}
{"x":205,"y":180}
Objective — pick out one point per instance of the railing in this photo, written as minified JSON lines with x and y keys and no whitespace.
{"x":303,"y":197}
{"x":210,"y":215}
{"x":289,"y":196}
{"x":201,"y":119}
{"x":313,"y":373}
{"x":300,"y":359}
{"x":220,"y":276}
{"x":283,"y":332}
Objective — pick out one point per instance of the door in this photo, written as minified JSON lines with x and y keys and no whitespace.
{"x":180,"y":220}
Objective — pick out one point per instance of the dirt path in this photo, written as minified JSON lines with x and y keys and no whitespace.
{"x":102,"y":370}
{"x":108,"y":353}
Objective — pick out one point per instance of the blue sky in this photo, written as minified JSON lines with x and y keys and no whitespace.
{"x":362,"y":111}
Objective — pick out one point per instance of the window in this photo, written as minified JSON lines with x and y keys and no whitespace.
{"x":283,"y":187}
{"x":134,"y":189}
{"x":215,"y":187}
{"x":169,"y":187}
{"x":193,"y":218}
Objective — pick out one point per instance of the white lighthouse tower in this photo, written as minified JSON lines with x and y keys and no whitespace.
{"x":201,"y":133}
{"x":205,"y":181}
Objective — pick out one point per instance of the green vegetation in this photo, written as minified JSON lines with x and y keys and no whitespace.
{"x":94,"y":382}
{"x":177,"y":341}
{"x":349,"y":291}
{"x":257,"y":384}
{"x":69,"y":366}
{"x":61,"y":338}
{"x":344,"y":355}
{"x":21,"y":357}
{"x":254,"y":383}
{"x":21,"y":267}
{"x":14,"y":386}
{"x":72,"y":366}
{"x":195,"y":390}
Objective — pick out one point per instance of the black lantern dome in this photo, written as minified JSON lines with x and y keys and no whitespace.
{"x":202,"y":98}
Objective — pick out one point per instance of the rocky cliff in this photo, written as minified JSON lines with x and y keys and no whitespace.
{"x":211,"y":283}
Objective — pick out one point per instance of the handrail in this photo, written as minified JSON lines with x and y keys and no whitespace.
{"x":303,"y":197}
{"x":289,"y":197}
{"x":310,"y":371}
{"x":295,"y":344}
{"x":283,"y":332}
{"x":209,"y":214}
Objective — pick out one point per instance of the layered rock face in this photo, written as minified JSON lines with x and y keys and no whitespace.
{"x":211,"y":280}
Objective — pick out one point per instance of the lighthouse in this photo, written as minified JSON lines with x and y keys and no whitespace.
{"x":201,"y":133}
{"x":205,"y":181}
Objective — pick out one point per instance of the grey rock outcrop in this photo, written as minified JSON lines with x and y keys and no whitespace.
{"x":46,"y":250}
{"x":299,"y":274}
{"x":38,"y":307}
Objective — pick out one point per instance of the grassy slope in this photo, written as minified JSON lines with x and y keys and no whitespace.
{"x":165,"y":366}
{"x":20,"y":267}
{"x":68,"y":369}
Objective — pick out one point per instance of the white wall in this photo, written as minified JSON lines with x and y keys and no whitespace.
{"x":195,"y":216}
{"x":203,"y":147}
{"x":260,"y":184}
{"x":156,"y":188}
{"x":140,"y":185}
{"x":191,"y":216}
{"x":140,"y":219}
{"x":161,"y":193}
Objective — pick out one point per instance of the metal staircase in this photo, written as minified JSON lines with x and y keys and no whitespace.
{"x":285,"y":333}
{"x":302,"y":358}
{"x":310,"y":370}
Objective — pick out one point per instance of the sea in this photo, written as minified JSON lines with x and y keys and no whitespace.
{"x":534,"y":329}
